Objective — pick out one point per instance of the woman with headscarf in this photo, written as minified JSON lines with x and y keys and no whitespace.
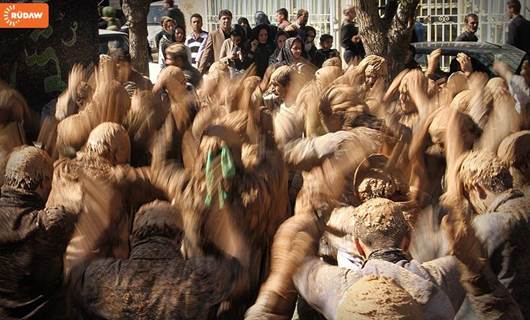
{"x":261,"y":18}
{"x":261,"y":48}
{"x":292,"y":52}
{"x":279,"y":42}
{"x":311,"y":53}
{"x":243,"y":22}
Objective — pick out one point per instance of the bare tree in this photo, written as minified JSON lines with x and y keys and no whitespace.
{"x":387,"y":35}
{"x":136,"y":12}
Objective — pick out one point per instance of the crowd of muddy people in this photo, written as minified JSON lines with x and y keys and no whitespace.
{"x":302,"y":193}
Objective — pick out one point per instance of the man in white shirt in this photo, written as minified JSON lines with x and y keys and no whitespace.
{"x":197,"y":39}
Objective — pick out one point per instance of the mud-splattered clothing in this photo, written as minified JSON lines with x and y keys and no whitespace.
{"x":32,"y":244}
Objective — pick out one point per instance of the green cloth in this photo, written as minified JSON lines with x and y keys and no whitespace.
{"x":228,"y":170}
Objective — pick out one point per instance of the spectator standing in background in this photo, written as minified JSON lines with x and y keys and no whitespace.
{"x":310,"y":51}
{"x":350,"y":39}
{"x":175,"y":13}
{"x":180,"y":34}
{"x":302,"y":16}
{"x":261,"y":18}
{"x":471,"y":27}
{"x":234,"y":51}
{"x":243,"y":22}
{"x":212,"y":49}
{"x":279,"y":42}
{"x":261,"y":48}
{"x":197,"y":39}
{"x":419,"y":31}
{"x":518,"y":28}
{"x":168,"y":37}
{"x":161,"y":33}
{"x":282,"y":18}
{"x":325,"y":51}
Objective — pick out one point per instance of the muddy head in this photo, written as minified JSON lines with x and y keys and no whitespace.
{"x":483,"y":176}
{"x":110,"y":141}
{"x":376,"y":177}
{"x":514,"y":151}
{"x":29,"y":169}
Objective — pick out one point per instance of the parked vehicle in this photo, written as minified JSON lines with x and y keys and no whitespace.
{"x":109,"y":40}
{"x":156,"y":12}
{"x":482,"y":54}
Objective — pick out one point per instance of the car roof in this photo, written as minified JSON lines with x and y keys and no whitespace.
{"x":482,"y":51}
{"x":105,"y":32}
{"x":157,"y":3}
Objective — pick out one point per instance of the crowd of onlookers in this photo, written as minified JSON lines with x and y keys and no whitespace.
{"x":239,"y":45}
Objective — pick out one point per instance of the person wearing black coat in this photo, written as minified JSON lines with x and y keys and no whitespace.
{"x":311,"y":53}
{"x":261,"y":48}
{"x":518,"y":28}
{"x":350,"y":39}
{"x":155,"y":281}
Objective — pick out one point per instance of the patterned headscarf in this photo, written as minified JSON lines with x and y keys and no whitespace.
{"x":286,"y":56}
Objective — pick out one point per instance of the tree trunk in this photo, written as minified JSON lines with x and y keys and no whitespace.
{"x":388,"y":35}
{"x":136,"y":12}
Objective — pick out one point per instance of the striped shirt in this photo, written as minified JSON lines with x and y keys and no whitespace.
{"x":196,"y":46}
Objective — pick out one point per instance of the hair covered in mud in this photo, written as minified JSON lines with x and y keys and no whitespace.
{"x":27,"y":167}
{"x":111,"y":141}
{"x":157,"y":218}
{"x":380,"y":223}
{"x":485,"y":169}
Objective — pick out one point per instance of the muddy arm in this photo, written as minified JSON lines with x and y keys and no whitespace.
{"x":489,"y":298}
{"x":296,"y":238}
{"x":323,"y":285}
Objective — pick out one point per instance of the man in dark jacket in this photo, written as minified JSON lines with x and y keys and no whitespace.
{"x":350,"y":39}
{"x":155,"y":282}
{"x":518,"y":28}
{"x":471,"y":27}
{"x":32,"y":239}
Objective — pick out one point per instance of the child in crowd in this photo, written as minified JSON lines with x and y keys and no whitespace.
{"x":326,"y":42}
